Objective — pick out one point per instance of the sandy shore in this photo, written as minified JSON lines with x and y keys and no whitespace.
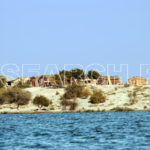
{"x":117,"y":98}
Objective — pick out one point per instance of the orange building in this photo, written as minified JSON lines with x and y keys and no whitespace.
{"x":108,"y":80}
{"x":137,"y":81}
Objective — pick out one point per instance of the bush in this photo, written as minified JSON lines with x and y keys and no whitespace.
{"x":126,"y":85}
{"x":15,"y":95}
{"x":119,"y":109}
{"x":85,"y":93}
{"x":71,"y":104}
{"x":22,"y":84}
{"x":41,"y":101}
{"x":97,"y":97}
{"x":132,"y":97}
{"x":57,"y":93}
{"x":2,"y":81}
{"x":73,"y":91}
{"x":1,"y":99}
{"x":65,"y":102}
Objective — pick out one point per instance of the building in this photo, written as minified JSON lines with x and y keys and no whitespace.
{"x":137,"y":81}
{"x":13,"y":82}
{"x":108,"y":80}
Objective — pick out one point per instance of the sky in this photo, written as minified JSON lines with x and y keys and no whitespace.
{"x":85,"y":32}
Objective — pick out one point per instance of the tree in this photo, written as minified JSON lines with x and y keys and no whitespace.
{"x":78,"y":73}
{"x":65,"y":75}
{"x":2,"y":81}
{"x":58,"y":80}
{"x":41,"y":101}
{"x":93,"y":74}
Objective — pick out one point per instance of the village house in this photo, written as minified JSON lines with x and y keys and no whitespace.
{"x":108,"y":80}
{"x":87,"y":81}
{"x":137,"y":81}
{"x":42,"y":81}
{"x":13,"y":82}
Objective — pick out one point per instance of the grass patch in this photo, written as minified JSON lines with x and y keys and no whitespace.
{"x":97,"y":97}
{"x":126,"y":85}
{"x":118,"y":109}
{"x":57,"y":93}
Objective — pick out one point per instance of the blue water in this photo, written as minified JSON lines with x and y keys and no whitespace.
{"x":75,"y":131}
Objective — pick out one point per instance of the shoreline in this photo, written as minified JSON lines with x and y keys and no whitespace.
{"x":62,"y":112}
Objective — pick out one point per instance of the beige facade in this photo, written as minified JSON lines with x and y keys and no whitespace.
{"x":108,"y":80}
{"x":137,"y":81}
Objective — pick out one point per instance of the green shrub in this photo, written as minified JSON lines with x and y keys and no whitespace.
{"x":117,"y":109}
{"x":73,"y":91}
{"x":126,"y":85}
{"x":22,"y":84}
{"x":15,"y":95}
{"x":85,"y":93}
{"x":97,"y":97}
{"x":71,"y":104}
{"x":41,"y":101}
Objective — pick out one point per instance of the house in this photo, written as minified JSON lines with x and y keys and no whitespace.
{"x":9,"y":82}
{"x":34,"y":81}
{"x":108,"y":80}
{"x":87,"y":81}
{"x":12,"y":82}
{"x":137,"y":81}
{"x":42,"y":81}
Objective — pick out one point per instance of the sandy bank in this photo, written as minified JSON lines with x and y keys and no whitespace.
{"x":117,"y":98}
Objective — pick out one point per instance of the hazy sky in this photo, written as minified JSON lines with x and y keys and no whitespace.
{"x":75,"y":32}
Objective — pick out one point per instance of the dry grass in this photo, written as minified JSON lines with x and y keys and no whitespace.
{"x":57,"y":93}
{"x":97,"y":97}
{"x":118,"y":109}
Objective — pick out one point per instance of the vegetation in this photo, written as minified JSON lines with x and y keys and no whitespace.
{"x":85,"y":93}
{"x":73,"y":91}
{"x":116,"y":88}
{"x":41,"y":101}
{"x":116,"y":109}
{"x":97,"y":97}
{"x":126,"y":85}
{"x":65,"y":76}
{"x":22,"y":84}
{"x":2,"y":81}
{"x":59,"y":79}
{"x":68,"y":103}
{"x":93,"y":74}
{"x":57,"y":93}
{"x":77,"y":73}
{"x":15,"y":95}
{"x":132,"y":97}
{"x":137,"y":89}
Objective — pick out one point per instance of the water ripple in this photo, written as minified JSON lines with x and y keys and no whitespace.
{"x":75,"y":131}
